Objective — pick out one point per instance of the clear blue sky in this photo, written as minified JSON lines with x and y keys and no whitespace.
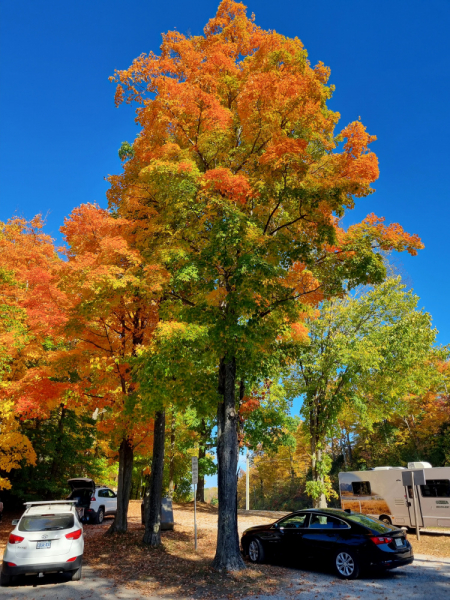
{"x":60,"y":131}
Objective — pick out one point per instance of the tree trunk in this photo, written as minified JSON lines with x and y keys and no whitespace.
{"x":228,"y":556}
{"x":316,"y":452}
{"x":152,"y":535}
{"x":126,"y":457}
{"x":172,"y":456}
{"x":204,"y":434}
{"x":58,"y":444}
{"x":200,"y":494}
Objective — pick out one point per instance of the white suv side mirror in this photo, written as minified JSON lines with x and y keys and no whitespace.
{"x":15,"y":521}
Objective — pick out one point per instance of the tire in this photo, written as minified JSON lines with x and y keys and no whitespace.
{"x":100,"y":515}
{"x":76,"y":575}
{"x":256,"y":552}
{"x":5,"y":579}
{"x":385,"y":519}
{"x":346,"y":564}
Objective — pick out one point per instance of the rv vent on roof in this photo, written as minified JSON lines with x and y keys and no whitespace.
{"x":419,"y":465}
{"x":386,"y":468}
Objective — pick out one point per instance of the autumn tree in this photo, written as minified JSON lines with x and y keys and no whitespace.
{"x":239,"y":174}
{"x":31,"y":313}
{"x":278,"y":474}
{"x":113,"y":310}
{"x":366,"y":352}
{"x":174,"y":372}
{"x":419,"y":430}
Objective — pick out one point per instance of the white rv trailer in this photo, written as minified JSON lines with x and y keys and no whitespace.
{"x":380,"y":493}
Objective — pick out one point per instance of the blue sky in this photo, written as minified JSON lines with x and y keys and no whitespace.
{"x":60,"y":130}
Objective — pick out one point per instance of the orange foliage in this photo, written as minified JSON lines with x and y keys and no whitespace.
{"x":113,"y":311}
{"x":243,"y":112}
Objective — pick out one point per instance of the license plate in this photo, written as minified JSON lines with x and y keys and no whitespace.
{"x":43,"y":545}
{"x":399,"y":541}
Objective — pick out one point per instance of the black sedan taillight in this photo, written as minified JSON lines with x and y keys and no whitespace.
{"x":378,"y":540}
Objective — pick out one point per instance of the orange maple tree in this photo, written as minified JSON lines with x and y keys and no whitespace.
{"x":113,"y":311}
{"x":239,"y":174}
{"x":32,"y":310}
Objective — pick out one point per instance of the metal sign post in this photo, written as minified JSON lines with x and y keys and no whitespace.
{"x":415,"y":506}
{"x":413,"y":479}
{"x":194,"y":483}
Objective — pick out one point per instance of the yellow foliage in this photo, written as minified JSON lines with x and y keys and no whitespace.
{"x":14,"y":446}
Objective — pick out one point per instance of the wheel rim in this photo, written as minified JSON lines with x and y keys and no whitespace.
{"x":100,"y":516}
{"x":345,"y":564}
{"x":253,"y":551}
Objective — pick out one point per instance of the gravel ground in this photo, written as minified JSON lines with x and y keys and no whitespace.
{"x":427,"y":577}
{"x":114,"y":570}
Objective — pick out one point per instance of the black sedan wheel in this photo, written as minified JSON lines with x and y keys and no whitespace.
{"x":256,"y":551}
{"x":346,"y":564}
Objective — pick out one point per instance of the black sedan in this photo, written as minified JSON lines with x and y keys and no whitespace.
{"x":348,"y":541}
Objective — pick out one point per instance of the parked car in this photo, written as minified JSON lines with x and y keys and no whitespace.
{"x":48,"y":538}
{"x":93,"y":502}
{"x":349,"y":541}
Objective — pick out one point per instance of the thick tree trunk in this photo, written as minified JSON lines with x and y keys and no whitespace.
{"x":200,"y":495}
{"x":228,"y":556}
{"x":152,"y":535}
{"x":126,"y":457}
{"x":204,"y":435}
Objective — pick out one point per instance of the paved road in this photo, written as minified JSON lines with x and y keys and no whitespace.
{"x":426,"y":578}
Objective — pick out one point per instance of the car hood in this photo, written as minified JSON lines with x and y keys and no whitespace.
{"x":257,"y":528}
{"x":81,"y":482}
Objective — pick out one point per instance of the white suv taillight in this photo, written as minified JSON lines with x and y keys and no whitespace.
{"x":75,"y":535}
{"x":15,"y":539}
{"x":93,"y":499}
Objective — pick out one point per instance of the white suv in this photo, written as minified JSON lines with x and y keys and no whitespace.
{"x":48,"y":538}
{"x":93,"y":501}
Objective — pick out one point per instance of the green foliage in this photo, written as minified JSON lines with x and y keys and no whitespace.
{"x":65,"y":445}
{"x":126,"y":151}
{"x":270,"y":425}
{"x":369,"y":352}
{"x":322,"y":485}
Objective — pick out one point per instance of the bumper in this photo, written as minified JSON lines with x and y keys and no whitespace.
{"x":43,"y":568}
{"x":392,"y":564}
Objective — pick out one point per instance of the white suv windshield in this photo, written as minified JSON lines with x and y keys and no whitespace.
{"x":46,"y":522}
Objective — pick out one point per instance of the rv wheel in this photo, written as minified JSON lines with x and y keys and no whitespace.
{"x":385,"y":519}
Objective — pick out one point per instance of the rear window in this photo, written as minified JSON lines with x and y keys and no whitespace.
{"x":374,"y":524}
{"x":46,"y":523}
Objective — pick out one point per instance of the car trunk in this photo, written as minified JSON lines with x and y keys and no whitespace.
{"x":83,"y":489}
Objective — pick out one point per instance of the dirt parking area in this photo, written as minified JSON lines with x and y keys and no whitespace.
{"x":122,"y":567}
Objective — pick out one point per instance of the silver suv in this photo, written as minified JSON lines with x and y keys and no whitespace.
{"x":94,"y":502}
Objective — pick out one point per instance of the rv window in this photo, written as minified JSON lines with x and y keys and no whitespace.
{"x":361,"y":488}
{"x":436,"y":488}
